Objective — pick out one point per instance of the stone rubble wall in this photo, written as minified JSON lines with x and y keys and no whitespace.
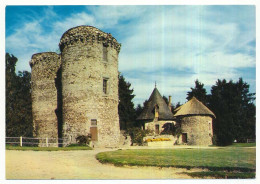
{"x":44,"y":94}
{"x":151,"y":125}
{"x":198,"y":128}
{"x":83,"y":71}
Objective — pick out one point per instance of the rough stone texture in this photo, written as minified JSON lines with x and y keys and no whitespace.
{"x":151,"y":125}
{"x":83,"y":71}
{"x":198,"y":128}
{"x":88,"y":56}
{"x":44,"y":95}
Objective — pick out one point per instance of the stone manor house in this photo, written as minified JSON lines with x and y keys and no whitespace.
{"x":75,"y":93}
{"x":193,"y":118}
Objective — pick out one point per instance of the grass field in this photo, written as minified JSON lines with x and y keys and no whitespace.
{"x":243,"y":145}
{"x":232,"y":162}
{"x":27,"y":148}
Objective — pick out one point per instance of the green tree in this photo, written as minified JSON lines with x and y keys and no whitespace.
{"x":235,"y":111}
{"x":18,"y":100}
{"x":199,"y":92}
{"x":166,"y":99}
{"x":138,"y":110}
{"x":126,"y":108}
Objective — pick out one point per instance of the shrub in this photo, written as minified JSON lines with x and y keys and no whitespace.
{"x":137,"y":135}
{"x":83,"y":139}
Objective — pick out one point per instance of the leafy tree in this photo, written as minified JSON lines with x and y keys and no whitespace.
{"x":126,"y":108}
{"x":199,"y":92}
{"x":178,"y":104}
{"x":138,"y":110}
{"x":235,"y":111}
{"x":137,"y":135}
{"x":18,"y":100}
{"x":166,"y":99}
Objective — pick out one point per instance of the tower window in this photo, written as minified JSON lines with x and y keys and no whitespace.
{"x":104,"y":53}
{"x":93,"y":122}
{"x":105,"y":85}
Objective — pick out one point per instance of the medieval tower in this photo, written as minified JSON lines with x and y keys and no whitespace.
{"x":44,"y":94}
{"x":76,"y":93}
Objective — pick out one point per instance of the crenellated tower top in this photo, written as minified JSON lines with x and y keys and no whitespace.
{"x":88,"y":34}
{"x":43,"y":57}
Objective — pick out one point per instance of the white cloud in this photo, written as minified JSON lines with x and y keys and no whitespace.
{"x":197,"y":41}
{"x":171,"y":40}
{"x":74,"y":20}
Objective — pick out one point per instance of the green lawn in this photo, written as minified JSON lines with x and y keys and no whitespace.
{"x":230,"y":159}
{"x":27,"y":148}
{"x":243,"y":145}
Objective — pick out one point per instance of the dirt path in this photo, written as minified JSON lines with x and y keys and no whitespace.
{"x":77,"y":165}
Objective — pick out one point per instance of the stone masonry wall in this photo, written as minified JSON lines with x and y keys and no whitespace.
{"x":151,"y":125}
{"x":83,"y":71}
{"x":44,"y":94}
{"x":198,"y":128}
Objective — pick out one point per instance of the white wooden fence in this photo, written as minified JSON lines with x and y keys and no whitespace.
{"x":250,"y":140}
{"x":29,"y":141}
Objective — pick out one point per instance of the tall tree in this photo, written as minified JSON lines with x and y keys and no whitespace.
{"x":138,"y":110}
{"x":199,"y":92}
{"x":166,"y":99}
{"x":10,"y":91}
{"x":18,"y":100}
{"x":235,"y":111}
{"x":126,"y":108}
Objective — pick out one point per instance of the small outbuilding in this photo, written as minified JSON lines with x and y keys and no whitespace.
{"x":195,"y":120}
{"x":156,"y":114}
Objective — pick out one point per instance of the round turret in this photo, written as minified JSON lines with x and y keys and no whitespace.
{"x":87,"y":35}
{"x":44,"y":94}
{"x":90,"y":85}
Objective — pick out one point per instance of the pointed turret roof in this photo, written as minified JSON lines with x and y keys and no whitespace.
{"x":156,"y":100}
{"x":193,"y":107}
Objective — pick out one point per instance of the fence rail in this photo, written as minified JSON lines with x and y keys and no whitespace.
{"x":250,"y":140}
{"x":30,"y":141}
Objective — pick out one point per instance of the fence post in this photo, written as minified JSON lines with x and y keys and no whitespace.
{"x":21,"y":141}
{"x":47,"y":144}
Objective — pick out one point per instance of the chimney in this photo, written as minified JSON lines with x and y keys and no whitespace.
{"x":170,"y":102}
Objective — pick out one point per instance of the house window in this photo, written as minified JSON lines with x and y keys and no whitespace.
{"x":104,"y":53}
{"x":209,"y":126}
{"x":105,"y":85}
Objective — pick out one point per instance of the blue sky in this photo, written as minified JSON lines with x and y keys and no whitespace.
{"x":172,"y":45}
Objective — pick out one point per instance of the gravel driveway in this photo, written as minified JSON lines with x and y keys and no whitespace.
{"x":78,"y":165}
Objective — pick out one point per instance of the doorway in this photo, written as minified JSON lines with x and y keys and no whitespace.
{"x":157,"y":129}
{"x":94,"y":133}
{"x":184,"y":138}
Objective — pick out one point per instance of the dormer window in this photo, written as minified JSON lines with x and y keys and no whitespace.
{"x":156,"y":111}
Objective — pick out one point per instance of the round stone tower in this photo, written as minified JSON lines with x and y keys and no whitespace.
{"x":44,"y":68}
{"x":90,"y":85}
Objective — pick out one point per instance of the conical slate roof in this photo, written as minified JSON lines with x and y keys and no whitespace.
{"x":156,"y":100}
{"x":193,"y":107}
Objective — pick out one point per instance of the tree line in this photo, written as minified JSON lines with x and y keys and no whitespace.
{"x":230,"y":101}
{"x":234,"y":108}
{"x":18,"y":100}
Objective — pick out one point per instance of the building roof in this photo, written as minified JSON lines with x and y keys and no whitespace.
{"x":156,"y":100}
{"x":193,"y":107}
